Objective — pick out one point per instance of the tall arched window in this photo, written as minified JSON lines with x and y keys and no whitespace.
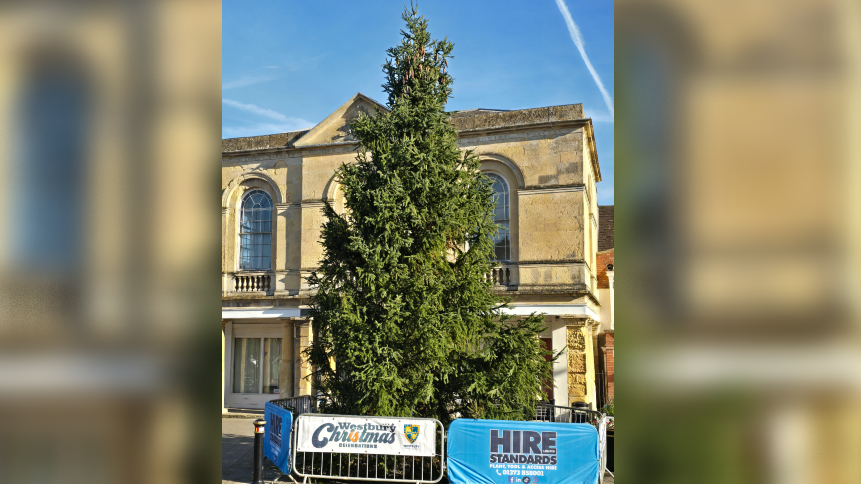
{"x":501,"y":197}
{"x":255,"y":232}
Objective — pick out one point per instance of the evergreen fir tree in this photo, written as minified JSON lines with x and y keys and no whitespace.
{"x":405,"y":323}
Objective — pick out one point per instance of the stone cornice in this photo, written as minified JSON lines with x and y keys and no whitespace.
{"x":574,"y":290}
{"x":313,"y":203}
{"x":548,"y":261}
{"x":536,"y":190}
{"x":280,"y":153}
{"x":465,"y":136}
{"x":524,"y":128}
{"x":590,"y":138}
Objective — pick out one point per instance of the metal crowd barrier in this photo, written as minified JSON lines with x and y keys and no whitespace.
{"x":370,"y":467}
{"x":545,"y":412}
{"x":297,"y":405}
{"x":404,"y":468}
{"x":602,"y":443}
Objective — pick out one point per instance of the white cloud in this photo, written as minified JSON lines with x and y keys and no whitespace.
{"x":599,"y":117}
{"x":284,"y":124}
{"x":270,"y":67}
{"x":577,"y":37}
{"x":253,"y":108}
{"x":245,"y":81}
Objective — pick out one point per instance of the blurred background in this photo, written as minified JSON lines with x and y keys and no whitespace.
{"x":110,"y":120}
{"x":738,"y":188}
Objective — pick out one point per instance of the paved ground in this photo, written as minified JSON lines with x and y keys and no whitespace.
{"x":237,"y":453}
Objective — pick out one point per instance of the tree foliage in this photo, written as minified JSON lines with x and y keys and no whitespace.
{"x":405,"y":322}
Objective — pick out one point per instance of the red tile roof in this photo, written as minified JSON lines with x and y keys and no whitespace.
{"x":605,"y":227}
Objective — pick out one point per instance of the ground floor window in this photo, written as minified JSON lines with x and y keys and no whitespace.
{"x":256,"y":365}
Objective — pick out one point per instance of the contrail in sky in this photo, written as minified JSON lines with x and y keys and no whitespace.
{"x":578,"y":41}
{"x":253,"y":108}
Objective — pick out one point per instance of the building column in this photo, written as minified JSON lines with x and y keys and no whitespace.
{"x":581,"y":363}
{"x":279,"y":247}
{"x":226,"y":269}
{"x":310,"y":254}
{"x":225,"y":239}
{"x":223,"y":408}
{"x":285,"y":378}
{"x":225,"y":359}
{"x":302,"y":367}
{"x":558,"y":333}
{"x":590,"y":333}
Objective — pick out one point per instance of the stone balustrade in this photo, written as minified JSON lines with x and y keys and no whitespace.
{"x":501,"y":276}
{"x":252,"y":282}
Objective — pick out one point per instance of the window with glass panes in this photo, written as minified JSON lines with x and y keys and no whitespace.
{"x":501,"y":213}
{"x":255,"y":231}
{"x":256,"y":365}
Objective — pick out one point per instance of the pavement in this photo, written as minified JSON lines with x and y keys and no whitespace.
{"x":237,"y":453}
{"x":242,"y":413}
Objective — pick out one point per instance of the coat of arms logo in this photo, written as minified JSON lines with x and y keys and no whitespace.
{"x":411,"y":432}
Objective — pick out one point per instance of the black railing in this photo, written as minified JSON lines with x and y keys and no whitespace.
{"x":601,"y":387}
{"x":297,"y":405}
{"x":545,"y":412}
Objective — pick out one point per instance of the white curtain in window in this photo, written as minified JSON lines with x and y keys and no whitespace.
{"x":271,"y":365}
{"x":246,"y":365}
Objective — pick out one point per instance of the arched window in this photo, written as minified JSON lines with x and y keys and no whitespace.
{"x":501,"y":216}
{"x":255,"y":232}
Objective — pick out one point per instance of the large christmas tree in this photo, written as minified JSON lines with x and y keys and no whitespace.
{"x":405,"y":323}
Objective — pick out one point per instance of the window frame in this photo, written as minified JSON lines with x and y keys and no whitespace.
{"x":497,"y":177}
{"x":261,"y":367}
{"x":239,"y":233}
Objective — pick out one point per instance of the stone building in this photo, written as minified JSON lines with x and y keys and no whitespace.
{"x":544,"y":166}
{"x":606,"y":336}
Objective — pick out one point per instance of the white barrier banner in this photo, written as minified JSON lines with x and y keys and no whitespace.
{"x":365,"y":435}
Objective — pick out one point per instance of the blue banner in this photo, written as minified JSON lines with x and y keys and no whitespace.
{"x":276,"y":444}
{"x":511,"y":452}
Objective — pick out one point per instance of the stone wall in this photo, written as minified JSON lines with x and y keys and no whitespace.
{"x":546,"y":156}
{"x":578,"y":389}
{"x":280,"y":140}
{"x":544,"y":169}
{"x":517,"y":118}
{"x":543,"y":236}
{"x":302,"y":368}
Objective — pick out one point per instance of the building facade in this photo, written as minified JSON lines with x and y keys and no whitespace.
{"x":544,"y":166}
{"x":606,"y":351}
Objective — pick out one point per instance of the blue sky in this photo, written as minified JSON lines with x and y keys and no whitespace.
{"x":287,"y":65}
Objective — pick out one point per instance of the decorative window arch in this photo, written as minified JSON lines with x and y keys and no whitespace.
{"x":502,"y":216}
{"x":255,"y":231}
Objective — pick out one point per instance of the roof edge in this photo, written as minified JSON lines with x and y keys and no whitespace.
{"x":335,"y":115}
